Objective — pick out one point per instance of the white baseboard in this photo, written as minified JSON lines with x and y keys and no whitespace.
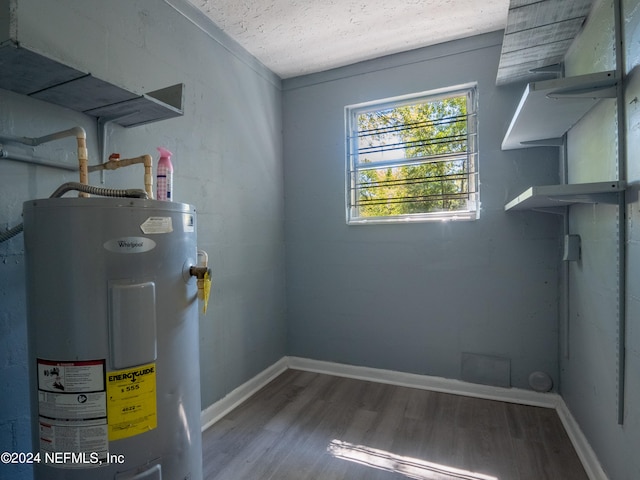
{"x":438,"y":384}
{"x":219,"y":409}
{"x":586,"y":454}
{"x":425,"y":382}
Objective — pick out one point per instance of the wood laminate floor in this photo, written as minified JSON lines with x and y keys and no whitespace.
{"x":311,"y":426}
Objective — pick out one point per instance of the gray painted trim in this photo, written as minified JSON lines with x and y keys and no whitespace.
{"x":424,"y":54}
{"x":206,"y":25}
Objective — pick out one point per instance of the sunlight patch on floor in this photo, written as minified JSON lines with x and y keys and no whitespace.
{"x":407,"y":466}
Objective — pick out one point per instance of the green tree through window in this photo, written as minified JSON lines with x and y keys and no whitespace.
{"x":414,"y":158}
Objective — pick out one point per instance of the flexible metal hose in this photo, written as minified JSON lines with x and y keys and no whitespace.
{"x":103,"y":192}
{"x":80,"y":187}
{"x":4,"y":236}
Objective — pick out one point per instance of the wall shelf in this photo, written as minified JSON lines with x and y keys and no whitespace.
{"x":548,"y":197}
{"x":550,"y":108}
{"x":30,"y":73}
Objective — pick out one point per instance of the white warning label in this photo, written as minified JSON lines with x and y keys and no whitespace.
{"x":157,"y":225}
{"x":189,"y":223}
{"x":71,"y":376}
{"x":72,"y":407}
{"x":62,"y":436}
{"x":77,"y":406}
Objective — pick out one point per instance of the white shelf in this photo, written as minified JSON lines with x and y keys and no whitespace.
{"x":548,"y":196}
{"x":550,"y":108}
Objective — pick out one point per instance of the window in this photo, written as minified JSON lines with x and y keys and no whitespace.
{"x":413,"y":158}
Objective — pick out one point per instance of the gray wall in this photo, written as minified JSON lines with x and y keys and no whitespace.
{"x":415,"y":297}
{"x":228,"y":161}
{"x":589,"y":357}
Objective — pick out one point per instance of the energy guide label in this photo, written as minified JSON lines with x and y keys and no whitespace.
{"x":72,"y":407}
{"x":132,"y":401}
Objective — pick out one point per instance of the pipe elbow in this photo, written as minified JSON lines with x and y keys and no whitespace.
{"x":79,"y":132}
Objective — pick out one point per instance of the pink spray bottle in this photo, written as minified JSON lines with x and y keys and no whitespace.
{"x":164,"y":176}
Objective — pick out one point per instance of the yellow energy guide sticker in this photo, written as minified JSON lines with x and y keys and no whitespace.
{"x":131,"y":401}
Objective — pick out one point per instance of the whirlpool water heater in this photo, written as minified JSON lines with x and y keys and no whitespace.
{"x":113,"y":339}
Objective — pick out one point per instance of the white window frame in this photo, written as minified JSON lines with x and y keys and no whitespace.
{"x":354,"y":165}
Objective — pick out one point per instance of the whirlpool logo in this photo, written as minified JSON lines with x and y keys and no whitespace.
{"x":129,"y":245}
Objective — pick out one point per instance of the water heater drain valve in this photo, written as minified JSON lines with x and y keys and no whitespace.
{"x":202,"y":272}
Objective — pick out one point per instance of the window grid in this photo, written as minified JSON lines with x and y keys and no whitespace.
{"x":413,"y":170}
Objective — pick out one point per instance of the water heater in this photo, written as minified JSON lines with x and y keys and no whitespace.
{"x":113,"y":339}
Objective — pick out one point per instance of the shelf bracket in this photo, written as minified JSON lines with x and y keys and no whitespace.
{"x":595,"y":92}
{"x":103,"y":123}
{"x":545,"y":142}
{"x":562,"y":211}
{"x":611,"y":198}
{"x":555,"y":68}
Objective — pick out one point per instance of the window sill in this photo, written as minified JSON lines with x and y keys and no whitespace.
{"x":418,"y":218}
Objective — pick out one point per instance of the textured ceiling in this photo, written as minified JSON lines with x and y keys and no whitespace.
{"x":298,"y":37}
